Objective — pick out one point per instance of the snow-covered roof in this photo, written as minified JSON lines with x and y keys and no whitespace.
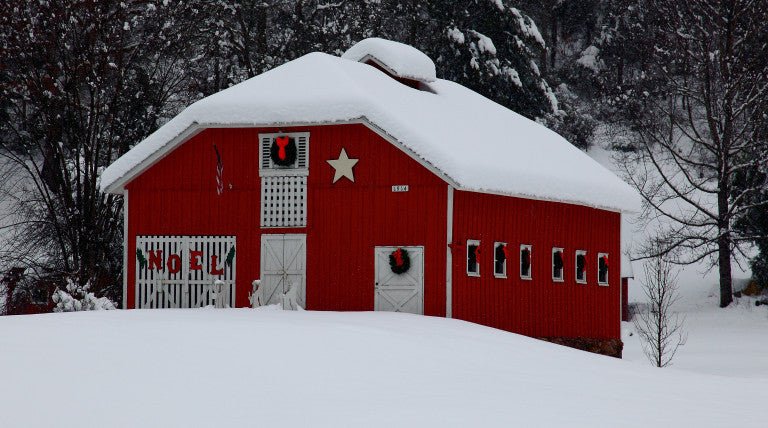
{"x":472,"y":142}
{"x":398,"y":59}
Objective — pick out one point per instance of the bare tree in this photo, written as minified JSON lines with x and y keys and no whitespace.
{"x":659,"y":328}
{"x":700,"y":132}
{"x":80,"y":82}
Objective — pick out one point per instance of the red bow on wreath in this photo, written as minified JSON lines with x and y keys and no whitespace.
{"x":398,"y":254}
{"x":506,"y":251}
{"x":605,"y":261}
{"x":282,"y":143}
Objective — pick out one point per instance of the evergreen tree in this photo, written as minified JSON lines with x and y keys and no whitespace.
{"x":491,"y":48}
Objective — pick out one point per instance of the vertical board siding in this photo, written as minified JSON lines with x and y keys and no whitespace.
{"x":539,"y":307}
{"x":345,"y":221}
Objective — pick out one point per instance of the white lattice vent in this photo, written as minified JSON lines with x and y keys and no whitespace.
{"x":284,"y":201}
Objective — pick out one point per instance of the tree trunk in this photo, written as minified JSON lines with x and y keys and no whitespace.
{"x":724,"y":247}
{"x":724,"y":262}
{"x":553,"y":42}
{"x":620,"y":72}
{"x":261,"y":35}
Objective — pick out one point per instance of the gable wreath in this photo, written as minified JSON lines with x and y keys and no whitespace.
{"x":283,"y":151}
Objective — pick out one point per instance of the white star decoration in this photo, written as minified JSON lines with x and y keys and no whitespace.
{"x":343,"y":166}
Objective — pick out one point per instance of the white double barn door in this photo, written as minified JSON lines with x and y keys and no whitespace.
{"x":283,"y":266}
{"x":399,"y":292}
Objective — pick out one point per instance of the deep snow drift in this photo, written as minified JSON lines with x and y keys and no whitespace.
{"x":210,"y":367}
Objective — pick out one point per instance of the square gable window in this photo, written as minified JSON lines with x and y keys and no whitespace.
{"x":500,"y":259}
{"x":473,"y":253}
{"x":602,"y":269}
{"x":525,"y":261}
{"x":557,"y":264}
{"x":284,"y":153}
{"x":581,"y":266}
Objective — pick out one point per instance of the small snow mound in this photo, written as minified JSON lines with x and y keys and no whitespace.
{"x":590,"y":59}
{"x":399,"y":59}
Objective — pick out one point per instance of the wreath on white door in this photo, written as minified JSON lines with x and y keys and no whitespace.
{"x":399,"y":261}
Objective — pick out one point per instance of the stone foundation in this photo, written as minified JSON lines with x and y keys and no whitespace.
{"x":609,"y":347}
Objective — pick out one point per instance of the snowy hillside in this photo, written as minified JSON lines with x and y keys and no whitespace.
{"x":272,"y":368}
{"x":726,"y":342}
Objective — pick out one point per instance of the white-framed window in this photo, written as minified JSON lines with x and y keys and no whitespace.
{"x":500,"y":259}
{"x":580,"y":266}
{"x":525,"y":261}
{"x":557,"y":264}
{"x":283,"y":169}
{"x":473,"y":254}
{"x":602,"y":268}
{"x":284,"y":153}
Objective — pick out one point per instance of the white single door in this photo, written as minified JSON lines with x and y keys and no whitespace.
{"x":283,"y":265}
{"x":399,"y":292}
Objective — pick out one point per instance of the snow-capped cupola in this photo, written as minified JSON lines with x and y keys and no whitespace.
{"x":397,"y":59}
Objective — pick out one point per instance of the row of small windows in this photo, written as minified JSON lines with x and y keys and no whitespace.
{"x":502,"y":253}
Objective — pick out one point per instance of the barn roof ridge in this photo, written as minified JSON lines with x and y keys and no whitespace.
{"x":472,"y":142}
{"x":396,"y":58}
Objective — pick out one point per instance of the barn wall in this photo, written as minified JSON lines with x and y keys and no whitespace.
{"x":539,"y":307}
{"x":177,"y":196}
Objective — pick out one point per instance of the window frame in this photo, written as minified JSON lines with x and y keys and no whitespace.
{"x":576,"y":266}
{"x":265,"y":164}
{"x":475,"y":242}
{"x":502,"y":275}
{"x":528,"y":247}
{"x":562,"y":270}
{"x":608,"y":269}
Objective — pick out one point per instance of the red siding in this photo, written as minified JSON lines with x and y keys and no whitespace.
{"x":537,"y":307}
{"x":177,"y":196}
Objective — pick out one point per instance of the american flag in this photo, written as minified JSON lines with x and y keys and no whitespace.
{"x":219,"y":172}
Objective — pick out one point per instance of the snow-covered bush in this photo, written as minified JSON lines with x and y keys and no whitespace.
{"x":78,"y":298}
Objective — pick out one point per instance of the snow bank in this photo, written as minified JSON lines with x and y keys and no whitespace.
{"x":724,"y":342}
{"x":477,"y":144}
{"x":401,"y":59}
{"x":240,"y":367}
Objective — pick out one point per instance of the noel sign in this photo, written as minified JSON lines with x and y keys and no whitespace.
{"x":197,"y":256}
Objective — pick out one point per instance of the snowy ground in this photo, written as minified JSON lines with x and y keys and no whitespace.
{"x":211,"y":367}
{"x":273,"y":368}
{"x":726,"y":342}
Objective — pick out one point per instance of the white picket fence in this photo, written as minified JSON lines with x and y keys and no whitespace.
{"x":187,"y":288}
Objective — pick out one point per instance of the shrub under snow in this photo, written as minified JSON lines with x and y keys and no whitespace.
{"x":78,"y":298}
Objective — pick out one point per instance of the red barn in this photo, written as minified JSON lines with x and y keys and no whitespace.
{"x":362,"y":183}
